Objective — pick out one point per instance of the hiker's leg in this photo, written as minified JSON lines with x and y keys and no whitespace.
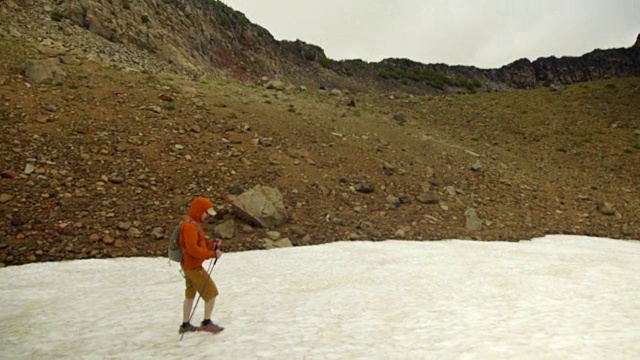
{"x":208,"y":308}
{"x":186,"y":309}
{"x":189,"y":296}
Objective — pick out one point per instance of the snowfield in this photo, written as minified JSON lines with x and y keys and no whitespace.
{"x":553,"y":297}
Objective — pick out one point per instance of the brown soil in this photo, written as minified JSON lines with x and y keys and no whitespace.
{"x":104,"y":156}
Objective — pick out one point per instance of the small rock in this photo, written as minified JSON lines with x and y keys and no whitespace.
{"x":400,"y":117}
{"x":29,"y":169}
{"x":477,"y":166}
{"x":298,"y":231}
{"x":17,"y":221}
{"x":429,"y":198}
{"x":473,"y":222}
{"x":451,"y":190}
{"x":69,"y":60}
{"x":236,"y":190}
{"x":8,"y":174}
{"x":198,"y":102}
{"x":275,"y":85}
{"x":405,"y":199}
{"x":157,"y":233}
{"x":606,"y":208}
{"x":50,"y":107}
{"x":116,"y":180}
{"x":166,"y":97}
{"x":281,"y":243}
{"x":109,"y":240}
{"x":124,"y":225}
{"x":273,"y":235}
{"x":134,"y":233}
{"x":363,"y":187}
{"x":189,"y":92}
{"x":5,"y":198}
{"x":156,"y":109}
{"x":637,"y":132}
{"x":266,"y":142}
{"x":369,"y":229}
{"x":388,"y":167}
{"x":400,"y":234}
{"x":393,"y":201}
{"x":306,"y":240}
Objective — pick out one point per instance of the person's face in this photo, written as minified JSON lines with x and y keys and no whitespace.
{"x":204,"y":216}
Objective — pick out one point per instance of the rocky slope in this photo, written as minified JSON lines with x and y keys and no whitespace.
{"x":104,"y":144}
{"x":204,"y":37}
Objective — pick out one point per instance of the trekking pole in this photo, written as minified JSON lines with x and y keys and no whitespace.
{"x":195,"y":306}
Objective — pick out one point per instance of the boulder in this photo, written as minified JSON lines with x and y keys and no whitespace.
{"x":273,"y":244}
{"x":473,"y":222}
{"x":261,"y":205}
{"x":606,"y":208}
{"x":41,"y":71}
{"x":275,"y":85}
{"x":226,"y":230}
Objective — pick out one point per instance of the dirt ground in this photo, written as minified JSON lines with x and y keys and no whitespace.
{"x":105,"y":162}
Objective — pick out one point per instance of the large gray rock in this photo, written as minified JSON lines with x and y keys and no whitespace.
{"x":473,"y":222}
{"x":262,"y":205}
{"x":40,"y":71}
{"x":274,"y":244}
{"x":226,"y":230}
{"x":275,"y":85}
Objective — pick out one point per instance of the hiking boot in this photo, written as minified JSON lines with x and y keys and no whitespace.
{"x":211,"y":327}
{"x":187,"y":327}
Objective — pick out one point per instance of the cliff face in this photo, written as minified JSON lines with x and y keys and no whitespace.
{"x":208,"y":37}
{"x":599,"y":64}
{"x":196,"y":35}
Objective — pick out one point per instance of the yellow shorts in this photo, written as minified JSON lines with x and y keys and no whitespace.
{"x":200,"y":281}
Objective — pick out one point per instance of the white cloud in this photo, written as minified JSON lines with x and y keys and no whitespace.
{"x":484,"y":33}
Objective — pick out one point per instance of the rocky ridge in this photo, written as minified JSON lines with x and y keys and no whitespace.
{"x":208,"y":38}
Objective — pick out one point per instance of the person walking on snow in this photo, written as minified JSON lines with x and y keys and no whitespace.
{"x":196,"y":249}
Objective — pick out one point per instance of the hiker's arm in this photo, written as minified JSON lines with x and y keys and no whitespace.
{"x":191,"y":243}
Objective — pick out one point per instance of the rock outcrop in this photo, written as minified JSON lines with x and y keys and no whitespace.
{"x":202,"y":37}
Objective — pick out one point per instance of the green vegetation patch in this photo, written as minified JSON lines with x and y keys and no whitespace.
{"x":423,"y":74}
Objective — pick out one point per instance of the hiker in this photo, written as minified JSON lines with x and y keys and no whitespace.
{"x":196,"y":250}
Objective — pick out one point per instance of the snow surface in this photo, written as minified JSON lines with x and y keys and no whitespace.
{"x":549,"y":298}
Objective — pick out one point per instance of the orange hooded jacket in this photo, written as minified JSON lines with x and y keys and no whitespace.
{"x":192,"y":237}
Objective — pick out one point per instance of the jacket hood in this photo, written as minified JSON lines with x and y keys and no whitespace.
{"x":198,"y":207}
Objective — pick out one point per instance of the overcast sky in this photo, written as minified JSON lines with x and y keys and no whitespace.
{"x":482,"y":33}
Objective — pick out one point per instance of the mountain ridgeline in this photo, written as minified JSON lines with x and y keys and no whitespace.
{"x":206,"y":37}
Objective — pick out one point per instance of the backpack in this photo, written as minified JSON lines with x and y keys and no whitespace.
{"x":174,"y":251}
